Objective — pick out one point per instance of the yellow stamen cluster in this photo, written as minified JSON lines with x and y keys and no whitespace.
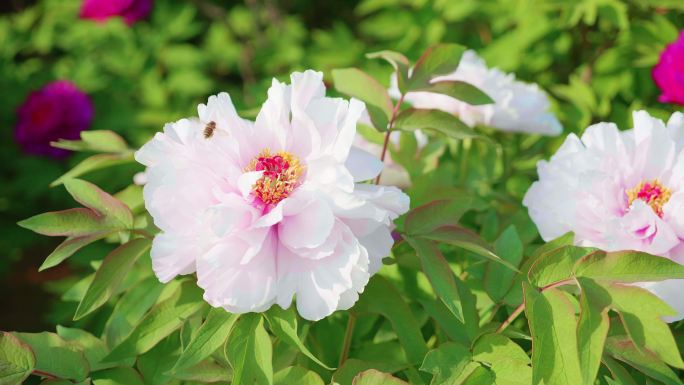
{"x":652,"y":193}
{"x":282,"y":171}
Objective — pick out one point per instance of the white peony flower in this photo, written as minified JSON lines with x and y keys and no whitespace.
{"x":618,"y":190}
{"x":270,"y":210}
{"x":518,"y":107}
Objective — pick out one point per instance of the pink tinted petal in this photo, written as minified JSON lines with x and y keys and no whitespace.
{"x":309,"y":227}
{"x":319,"y":284}
{"x":345,"y":137}
{"x":173,"y":254}
{"x":363,"y":165}
{"x":238,"y":287}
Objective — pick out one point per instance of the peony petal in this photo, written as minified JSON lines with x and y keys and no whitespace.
{"x":172,"y":255}
{"x":362,"y":165}
{"x":236,"y":286}
{"x":309,"y":227}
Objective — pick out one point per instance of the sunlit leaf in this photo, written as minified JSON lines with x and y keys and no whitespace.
{"x":374,"y":377}
{"x":440,"y":275}
{"x":161,"y":321}
{"x":283,"y":323}
{"x":628,"y":266}
{"x":592,"y":328}
{"x":437,"y":60}
{"x":428,"y":217}
{"x":16,"y":360}
{"x":250,"y":352}
{"x":460,"y":90}
{"x":111,"y":273}
{"x":553,"y":325}
{"x":412,"y":119}
{"x":55,"y":356}
{"x":210,"y":336}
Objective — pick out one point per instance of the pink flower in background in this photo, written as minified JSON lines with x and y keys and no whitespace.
{"x":669,"y":72}
{"x":618,"y":190}
{"x":518,"y":106}
{"x":59,"y":110}
{"x":130,"y":10}
{"x":271,"y":210}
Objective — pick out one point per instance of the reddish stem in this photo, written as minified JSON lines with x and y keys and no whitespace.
{"x":521,"y":307}
{"x":395,"y":111}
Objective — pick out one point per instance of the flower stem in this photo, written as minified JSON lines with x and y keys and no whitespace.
{"x":41,"y":373}
{"x":521,"y":307}
{"x":347,"y":339}
{"x":390,"y":125}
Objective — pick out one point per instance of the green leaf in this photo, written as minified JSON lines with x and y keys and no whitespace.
{"x":428,"y":217}
{"x":283,"y":323}
{"x":479,"y":376}
{"x":16,"y":360}
{"x":160,"y":322}
{"x":117,"y":376}
{"x":104,"y":204}
{"x":96,"y":141}
{"x":498,"y":278}
{"x":374,"y":377}
{"x":156,"y":364}
{"x":553,"y":327}
{"x":250,"y":352}
{"x":297,"y":375}
{"x":131,"y":308}
{"x":55,"y":356}
{"x":460,"y":90}
{"x":619,"y":373}
{"x":506,"y":359}
{"x":356,"y":83}
{"x":439,"y":274}
{"x":71,"y":223}
{"x":70,"y":246}
{"x":400,"y":64}
{"x":466,"y":239}
{"x":93,"y":348}
{"x":447,"y":363}
{"x":211,"y":335}
{"x":346,"y":373}
{"x":381,"y":297}
{"x":205,"y":371}
{"x":648,"y":363}
{"x":95,"y":162}
{"x":437,"y":60}
{"x":556,"y":265}
{"x":628,"y":266}
{"x":109,"y":276}
{"x":412,"y":119}
{"x":641,"y":313}
{"x":592,"y":328}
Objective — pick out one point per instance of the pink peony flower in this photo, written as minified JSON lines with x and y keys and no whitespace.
{"x":518,"y":107}
{"x":59,"y":110}
{"x":270,"y":210}
{"x":618,"y":190}
{"x":669,"y":72}
{"x":130,"y":10}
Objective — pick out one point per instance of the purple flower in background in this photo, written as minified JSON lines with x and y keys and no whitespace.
{"x":130,"y":10}
{"x":669,"y":72}
{"x":59,"y":110}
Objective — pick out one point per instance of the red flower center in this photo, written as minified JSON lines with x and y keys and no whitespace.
{"x":652,"y":193}
{"x":282,"y":172}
